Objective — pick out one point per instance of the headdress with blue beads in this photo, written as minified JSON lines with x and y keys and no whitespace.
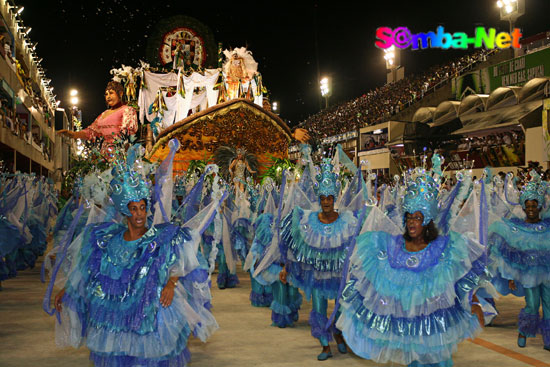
{"x":534,"y":189}
{"x":327,"y":180}
{"x":423,"y":190}
{"x":128,"y":184}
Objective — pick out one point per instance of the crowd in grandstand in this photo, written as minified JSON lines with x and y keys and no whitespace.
{"x":522,"y":173}
{"x":484,"y":142}
{"x":375,"y":142}
{"x":380,"y":104}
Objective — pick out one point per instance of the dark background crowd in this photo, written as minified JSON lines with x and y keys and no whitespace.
{"x":380,"y":104}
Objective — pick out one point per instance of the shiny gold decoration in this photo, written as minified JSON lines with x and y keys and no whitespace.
{"x":181,"y":86}
{"x":159,"y":105}
{"x":237,"y":123}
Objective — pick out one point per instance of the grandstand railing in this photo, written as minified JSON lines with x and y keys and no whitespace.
{"x":345,"y":136}
{"x":448,"y":79}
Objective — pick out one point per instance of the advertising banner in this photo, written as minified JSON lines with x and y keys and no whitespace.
{"x":517,"y":71}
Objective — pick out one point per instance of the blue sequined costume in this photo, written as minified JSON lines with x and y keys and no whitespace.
{"x":261,"y":294}
{"x":286,"y":299}
{"x":520,"y":251}
{"x":407,"y":307}
{"x":9,"y":244}
{"x":112,"y":297}
{"x":225,"y":279}
{"x":26,"y":207}
{"x":314,"y":254}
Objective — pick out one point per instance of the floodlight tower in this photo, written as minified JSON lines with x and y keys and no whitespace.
{"x":275,"y":107}
{"x":391,"y":55}
{"x":326,"y":90}
{"x":511,"y":10}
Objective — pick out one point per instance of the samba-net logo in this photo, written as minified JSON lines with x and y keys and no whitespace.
{"x":402,"y":37}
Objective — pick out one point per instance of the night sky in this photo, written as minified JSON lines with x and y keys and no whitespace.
{"x":81,"y":41}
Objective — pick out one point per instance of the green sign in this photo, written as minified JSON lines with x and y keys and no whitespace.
{"x":517,"y":71}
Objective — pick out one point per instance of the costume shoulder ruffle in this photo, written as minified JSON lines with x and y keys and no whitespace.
{"x":315,"y":252}
{"x":520,"y":251}
{"x":387,"y":272}
{"x":402,"y":307}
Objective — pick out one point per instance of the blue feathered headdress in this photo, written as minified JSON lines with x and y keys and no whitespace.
{"x":128,"y":185}
{"x":423,"y":190}
{"x":327,"y":180}
{"x":535,"y":189}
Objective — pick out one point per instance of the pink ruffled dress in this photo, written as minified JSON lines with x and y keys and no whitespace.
{"x":124,"y":119}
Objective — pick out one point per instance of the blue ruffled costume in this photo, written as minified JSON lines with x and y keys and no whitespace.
{"x":314,"y":254}
{"x":286,"y":299}
{"x":261,"y":295}
{"x":23,"y":232}
{"x":406,"y":307}
{"x":225,"y":278}
{"x":112,"y":297}
{"x":520,"y":252}
{"x":9,"y":245}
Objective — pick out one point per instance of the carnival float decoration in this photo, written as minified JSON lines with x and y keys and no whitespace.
{"x":206,"y":102}
{"x":237,"y":123}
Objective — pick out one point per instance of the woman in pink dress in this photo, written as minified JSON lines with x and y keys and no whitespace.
{"x":119,"y":118}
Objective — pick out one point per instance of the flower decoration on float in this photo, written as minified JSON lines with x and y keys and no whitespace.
{"x":534,"y":189}
{"x":423,"y":189}
{"x":327,"y":180}
{"x":128,"y":183}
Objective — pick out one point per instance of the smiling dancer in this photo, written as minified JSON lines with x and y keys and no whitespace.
{"x":520,"y":251}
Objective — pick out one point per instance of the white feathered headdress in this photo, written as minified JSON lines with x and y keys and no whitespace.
{"x":250,"y":64}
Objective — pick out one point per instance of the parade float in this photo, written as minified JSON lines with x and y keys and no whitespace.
{"x":206,"y":102}
{"x":237,"y":123}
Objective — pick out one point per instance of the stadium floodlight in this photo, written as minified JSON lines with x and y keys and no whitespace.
{"x":511,"y":10}
{"x":275,"y":107}
{"x":389,"y":56}
{"x":74,"y":100}
{"x":326,"y":90}
{"x":74,"y":92}
{"x":324,"y":87}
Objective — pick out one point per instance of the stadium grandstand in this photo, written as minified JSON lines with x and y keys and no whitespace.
{"x":487,"y":108}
